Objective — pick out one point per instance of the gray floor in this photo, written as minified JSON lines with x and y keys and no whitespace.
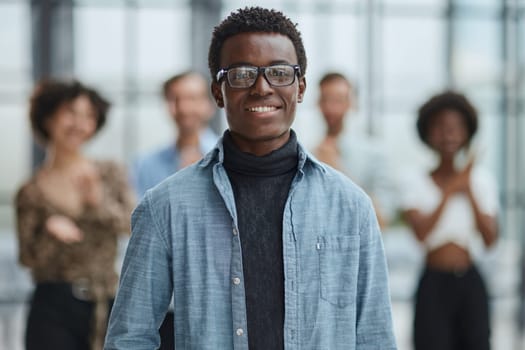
{"x":500,"y":268}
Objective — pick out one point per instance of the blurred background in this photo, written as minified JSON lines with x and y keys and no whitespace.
{"x":397,"y":52}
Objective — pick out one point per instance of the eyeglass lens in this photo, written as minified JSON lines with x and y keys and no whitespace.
{"x":278,"y":75}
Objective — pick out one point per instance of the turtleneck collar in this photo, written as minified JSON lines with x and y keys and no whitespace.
{"x":275,"y":163}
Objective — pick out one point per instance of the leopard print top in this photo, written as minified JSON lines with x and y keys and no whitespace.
{"x":92,"y":259}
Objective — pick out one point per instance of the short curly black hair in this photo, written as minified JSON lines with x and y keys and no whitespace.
{"x":49,"y":95}
{"x":448,"y":100}
{"x":250,"y":20}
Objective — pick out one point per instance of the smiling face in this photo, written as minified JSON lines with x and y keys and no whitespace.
{"x":189,"y":104}
{"x":259,"y":117}
{"x":448,"y":133}
{"x":334,"y":101}
{"x":72,"y":124}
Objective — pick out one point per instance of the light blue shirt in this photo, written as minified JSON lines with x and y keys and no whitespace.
{"x":364,"y":160}
{"x":185,"y":242}
{"x":152,"y":168}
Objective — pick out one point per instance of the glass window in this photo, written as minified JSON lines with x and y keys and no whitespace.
{"x":415,"y":3}
{"x":521,"y":110}
{"x":15,"y":135}
{"x":100,"y":39}
{"x":15,"y":65}
{"x":163,"y":46}
{"x":413,"y":59}
{"x":477,"y":62}
{"x":15,"y":159}
{"x":492,"y":4}
{"x":521,"y":59}
{"x":232,"y":5}
{"x":15,"y":84}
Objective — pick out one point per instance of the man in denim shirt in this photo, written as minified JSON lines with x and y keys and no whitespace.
{"x":261,"y":246}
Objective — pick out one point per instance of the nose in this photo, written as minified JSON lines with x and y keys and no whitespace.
{"x":85,"y":122}
{"x":449,"y":132}
{"x":261,"y":87}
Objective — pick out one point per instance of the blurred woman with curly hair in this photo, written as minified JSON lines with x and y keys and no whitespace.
{"x":69,"y":214}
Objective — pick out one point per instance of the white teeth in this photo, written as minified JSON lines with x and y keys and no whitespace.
{"x":261,"y":109}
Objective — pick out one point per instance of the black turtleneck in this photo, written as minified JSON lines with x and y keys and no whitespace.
{"x":260,"y":187}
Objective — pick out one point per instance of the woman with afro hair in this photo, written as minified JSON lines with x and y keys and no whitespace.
{"x":448,"y":209}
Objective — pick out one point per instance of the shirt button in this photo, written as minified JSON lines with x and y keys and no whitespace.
{"x":239,"y":332}
{"x":235,"y":232}
{"x":236,"y":280}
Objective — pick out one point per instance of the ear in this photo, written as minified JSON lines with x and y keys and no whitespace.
{"x":302,"y":89}
{"x":217,"y":94}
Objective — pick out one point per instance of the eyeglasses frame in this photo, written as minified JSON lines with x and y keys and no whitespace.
{"x":223,"y":72}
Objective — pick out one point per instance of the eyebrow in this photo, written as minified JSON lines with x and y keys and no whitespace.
{"x":272,"y":63}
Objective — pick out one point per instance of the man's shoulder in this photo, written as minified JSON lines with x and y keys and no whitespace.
{"x":183,"y":181}
{"x":331,"y":180}
{"x":328,"y":191}
{"x":160,"y":155}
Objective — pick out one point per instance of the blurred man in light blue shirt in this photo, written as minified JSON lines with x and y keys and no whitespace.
{"x":190,"y":107}
{"x":261,"y":246}
{"x":359,"y":156}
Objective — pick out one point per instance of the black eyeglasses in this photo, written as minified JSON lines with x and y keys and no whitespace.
{"x":242,"y":77}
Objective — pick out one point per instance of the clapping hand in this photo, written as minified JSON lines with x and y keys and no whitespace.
{"x":64,"y":229}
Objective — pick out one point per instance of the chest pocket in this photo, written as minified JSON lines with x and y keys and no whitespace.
{"x":338,"y":267}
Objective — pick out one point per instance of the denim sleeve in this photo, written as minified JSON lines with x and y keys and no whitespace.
{"x":374,"y":319}
{"x":146,"y":284}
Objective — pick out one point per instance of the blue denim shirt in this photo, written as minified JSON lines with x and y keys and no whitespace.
{"x":185,"y":241}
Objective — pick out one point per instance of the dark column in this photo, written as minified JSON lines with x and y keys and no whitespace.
{"x":52,"y":46}
{"x":450,"y":42}
{"x":205,"y":15}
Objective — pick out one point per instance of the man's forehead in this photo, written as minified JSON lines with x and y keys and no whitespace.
{"x":192,"y":80}
{"x":258,"y":43}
